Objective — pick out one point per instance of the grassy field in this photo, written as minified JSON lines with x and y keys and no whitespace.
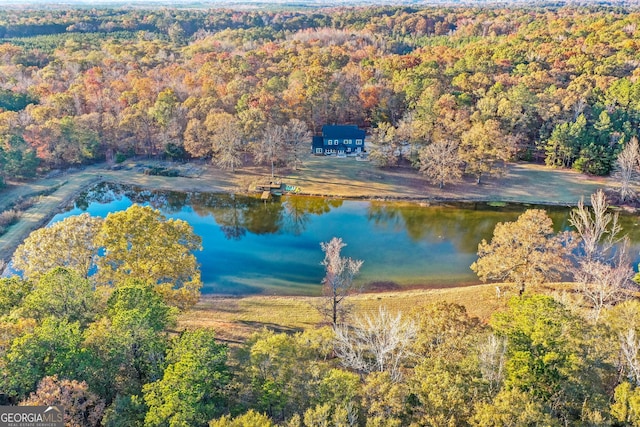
{"x":234,"y":319}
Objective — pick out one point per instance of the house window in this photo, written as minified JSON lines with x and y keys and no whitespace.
{"x":329,"y":142}
{"x":358,"y":142}
{"x":346,"y":141}
{"x":318,"y":150}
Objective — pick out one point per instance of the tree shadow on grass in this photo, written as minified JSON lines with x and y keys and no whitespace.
{"x":274,"y":327}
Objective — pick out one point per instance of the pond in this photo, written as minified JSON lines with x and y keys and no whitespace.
{"x":273,"y":248}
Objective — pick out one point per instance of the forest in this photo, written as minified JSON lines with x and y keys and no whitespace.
{"x":553,"y":85}
{"x":93,"y":323}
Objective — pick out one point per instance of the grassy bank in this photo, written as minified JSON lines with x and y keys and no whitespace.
{"x":234,"y":319}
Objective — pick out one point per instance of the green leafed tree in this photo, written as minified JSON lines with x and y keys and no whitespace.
{"x":18,"y":159}
{"x":191,"y":390}
{"x":13,"y":290}
{"x":129,"y":343}
{"x":512,"y":407}
{"x":63,"y":294}
{"x":142,"y":243}
{"x":249,"y":419}
{"x":53,"y":348}
{"x":549,"y":358}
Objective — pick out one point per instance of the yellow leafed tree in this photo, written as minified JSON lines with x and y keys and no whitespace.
{"x":525,"y":252}
{"x":141,"y":243}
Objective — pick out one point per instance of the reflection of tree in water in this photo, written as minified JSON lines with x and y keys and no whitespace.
{"x":298,"y":210}
{"x":226,"y":209}
{"x":237,"y":214}
{"x":101,"y":193}
{"x":167,"y":201}
{"x":463,"y":225}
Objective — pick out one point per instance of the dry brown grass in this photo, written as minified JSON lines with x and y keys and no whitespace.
{"x":235,"y":319}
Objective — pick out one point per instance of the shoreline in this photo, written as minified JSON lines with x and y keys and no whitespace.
{"x":382,"y":185}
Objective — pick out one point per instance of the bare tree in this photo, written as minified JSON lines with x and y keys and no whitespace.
{"x":492,"y":358}
{"x":271,"y":147}
{"x":338,"y":279}
{"x":602,"y":265}
{"x":604,"y":282}
{"x":227,"y":145}
{"x":597,"y":228}
{"x":440,"y":162}
{"x":629,"y":348}
{"x":626,"y":169}
{"x":379,"y":343}
{"x":298,"y":140}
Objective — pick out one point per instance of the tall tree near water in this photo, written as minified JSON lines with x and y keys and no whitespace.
{"x":526,"y":252}
{"x":297,"y":141}
{"x":440,"y":162}
{"x":142,"y":243}
{"x":271,"y":147}
{"x":69,"y":243}
{"x":338,"y":279}
{"x":602,"y":263}
{"x":226,"y":140}
{"x":626,"y":169}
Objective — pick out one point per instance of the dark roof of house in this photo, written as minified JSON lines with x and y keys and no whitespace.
{"x":342,"y":131}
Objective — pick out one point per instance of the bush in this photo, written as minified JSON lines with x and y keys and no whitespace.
{"x":120,"y":157}
{"x":9,"y":217}
{"x":160,"y":171}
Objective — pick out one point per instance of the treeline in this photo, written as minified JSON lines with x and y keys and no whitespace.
{"x":557,"y":85}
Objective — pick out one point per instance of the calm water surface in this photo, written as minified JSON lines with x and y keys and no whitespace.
{"x":252,"y":247}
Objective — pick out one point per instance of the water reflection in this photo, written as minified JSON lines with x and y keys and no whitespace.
{"x":250,"y":246}
{"x":462,"y":224}
{"x":235,"y":214}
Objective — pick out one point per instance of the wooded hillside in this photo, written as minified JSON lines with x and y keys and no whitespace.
{"x":557,"y":85}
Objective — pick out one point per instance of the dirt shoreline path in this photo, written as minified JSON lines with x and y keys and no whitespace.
{"x":320,"y":176}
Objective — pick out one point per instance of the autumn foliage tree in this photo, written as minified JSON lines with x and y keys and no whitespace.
{"x":82,"y":408}
{"x":138,"y":243}
{"x":69,"y":243}
{"x":525,"y":252}
{"x":142,"y":243}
